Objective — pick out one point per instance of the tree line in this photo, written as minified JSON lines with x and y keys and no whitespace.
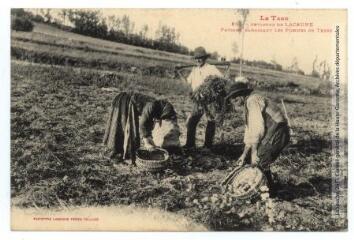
{"x":113,"y":28}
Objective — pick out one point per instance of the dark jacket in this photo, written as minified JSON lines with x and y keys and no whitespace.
{"x":132,"y":114}
{"x":159,"y":110}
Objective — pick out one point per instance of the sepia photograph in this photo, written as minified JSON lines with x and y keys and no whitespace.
{"x":182,"y":120}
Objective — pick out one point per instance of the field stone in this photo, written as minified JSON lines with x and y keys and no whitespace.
{"x":214,"y":199}
{"x":190,"y":187}
{"x":281,"y":214}
{"x":65,"y":178}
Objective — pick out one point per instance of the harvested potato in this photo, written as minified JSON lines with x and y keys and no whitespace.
{"x":246,"y":181}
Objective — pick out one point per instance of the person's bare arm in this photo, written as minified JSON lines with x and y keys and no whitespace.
{"x":254,"y":155}
{"x":149,"y":143}
{"x":146,"y":125}
{"x":242,"y":158}
{"x":254,"y":130}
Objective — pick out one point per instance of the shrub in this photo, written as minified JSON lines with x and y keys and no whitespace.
{"x":21,"y":24}
{"x":292,"y":85}
{"x":38,"y":18}
{"x":315,"y":74}
{"x":20,"y":12}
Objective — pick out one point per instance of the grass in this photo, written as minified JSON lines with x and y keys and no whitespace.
{"x":57,"y":123}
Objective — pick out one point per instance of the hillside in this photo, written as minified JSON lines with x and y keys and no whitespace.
{"x":47,"y":44}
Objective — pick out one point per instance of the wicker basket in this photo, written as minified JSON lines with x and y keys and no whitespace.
{"x":246,"y":183}
{"x":146,"y":163}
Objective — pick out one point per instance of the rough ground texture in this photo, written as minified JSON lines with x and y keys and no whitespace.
{"x":57,"y":160}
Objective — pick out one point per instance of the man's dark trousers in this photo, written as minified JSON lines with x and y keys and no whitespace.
{"x":192,"y":122}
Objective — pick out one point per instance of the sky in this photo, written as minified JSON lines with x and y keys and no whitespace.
{"x":203,"y":27}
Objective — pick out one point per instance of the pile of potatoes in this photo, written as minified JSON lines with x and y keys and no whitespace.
{"x":246,"y":180}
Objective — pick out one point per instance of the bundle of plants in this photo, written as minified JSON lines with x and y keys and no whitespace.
{"x":212,"y":90}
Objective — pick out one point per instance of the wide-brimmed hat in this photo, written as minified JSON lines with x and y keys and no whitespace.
{"x":238,"y":89}
{"x":200,"y":52}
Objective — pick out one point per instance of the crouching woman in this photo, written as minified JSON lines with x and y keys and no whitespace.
{"x":266,"y":129}
{"x":131,"y":115}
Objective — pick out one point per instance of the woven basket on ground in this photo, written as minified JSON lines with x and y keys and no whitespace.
{"x":152,"y":161}
{"x":246,"y":183}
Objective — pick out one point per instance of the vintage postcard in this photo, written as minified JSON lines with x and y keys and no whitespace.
{"x":179,"y":119}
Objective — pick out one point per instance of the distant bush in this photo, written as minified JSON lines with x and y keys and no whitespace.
{"x":315,"y":74}
{"x":21,"y":20}
{"x":20,"y":12}
{"x":292,"y":85}
{"x":38,"y":18}
{"x":89,"y":23}
{"x":324,"y":88}
{"x":21,"y":24}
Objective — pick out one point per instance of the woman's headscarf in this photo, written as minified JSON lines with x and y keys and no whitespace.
{"x":167,"y":112}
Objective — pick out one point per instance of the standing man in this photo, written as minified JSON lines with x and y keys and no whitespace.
{"x":195,"y":79}
{"x":266,"y":130}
